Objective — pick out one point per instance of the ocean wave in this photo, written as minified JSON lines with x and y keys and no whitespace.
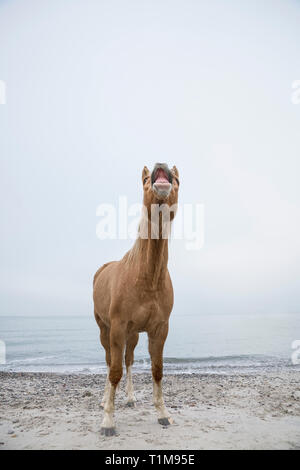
{"x":242,"y":357}
{"x":210,"y":364}
{"x":31,"y":359}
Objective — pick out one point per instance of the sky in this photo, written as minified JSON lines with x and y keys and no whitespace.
{"x":95,"y":90}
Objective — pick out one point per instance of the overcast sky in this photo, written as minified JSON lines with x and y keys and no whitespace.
{"x":97,"y":89}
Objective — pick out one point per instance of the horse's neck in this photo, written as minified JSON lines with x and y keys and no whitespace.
{"x":154,"y":265}
{"x":150,"y":258}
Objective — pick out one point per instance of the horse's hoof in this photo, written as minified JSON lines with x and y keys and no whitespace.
{"x":164,"y":421}
{"x":130,"y":404}
{"x":108,"y":431}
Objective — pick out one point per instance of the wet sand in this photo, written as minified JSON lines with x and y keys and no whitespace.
{"x":54,"y":411}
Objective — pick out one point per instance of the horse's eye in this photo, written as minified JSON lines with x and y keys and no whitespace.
{"x":145,"y":179}
{"x":177,"y":180}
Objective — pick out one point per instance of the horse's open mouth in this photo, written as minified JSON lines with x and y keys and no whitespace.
{"x":161,"y":179}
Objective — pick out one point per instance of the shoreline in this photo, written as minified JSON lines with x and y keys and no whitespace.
{"x":210,"y":411}
{"x":184,"y":368}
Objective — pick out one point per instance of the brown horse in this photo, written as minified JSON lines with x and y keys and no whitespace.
{"x":135,"y":294}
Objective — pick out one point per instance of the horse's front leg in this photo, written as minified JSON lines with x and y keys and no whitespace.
{"x":156,"y":346}
{"x":117,"y":343}
{"x":106,"y":389}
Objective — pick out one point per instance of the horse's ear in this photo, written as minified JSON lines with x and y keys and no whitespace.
{"x":145,"y":173}
{"x":175,"y":171}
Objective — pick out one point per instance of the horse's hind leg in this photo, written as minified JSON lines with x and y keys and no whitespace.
{"x":129,"y":358}
{"x":104,"y":338}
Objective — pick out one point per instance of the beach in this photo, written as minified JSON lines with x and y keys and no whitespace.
{"x":62,"y":411}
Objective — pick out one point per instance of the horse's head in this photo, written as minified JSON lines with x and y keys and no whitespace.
{"x":161,"y":186}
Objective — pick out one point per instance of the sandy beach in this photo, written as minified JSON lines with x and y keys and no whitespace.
{"x":53,"y":411}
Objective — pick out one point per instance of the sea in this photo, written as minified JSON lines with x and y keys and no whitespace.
{"x":204,"y":343}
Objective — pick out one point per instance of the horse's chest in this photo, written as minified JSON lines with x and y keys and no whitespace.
{"x":154,"y":299}
{"x":151,"y":308}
